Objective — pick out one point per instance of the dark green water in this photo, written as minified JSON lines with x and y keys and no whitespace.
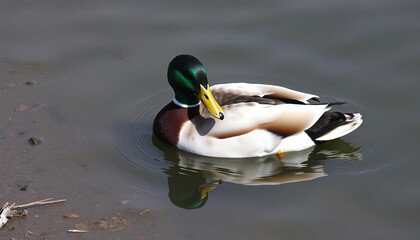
{"x":99,"y":73}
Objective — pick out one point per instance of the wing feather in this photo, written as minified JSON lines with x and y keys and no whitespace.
{"x":226,"y":94}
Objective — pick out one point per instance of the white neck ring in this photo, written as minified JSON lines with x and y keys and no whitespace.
{"x":184,"y":105}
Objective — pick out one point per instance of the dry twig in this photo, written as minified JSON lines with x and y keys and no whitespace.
{"x":145,"y":211}
{"x":10,"y":210}
{"x":77,"y":231}
{"x":30,"y":233}
{"x":39,"y":203}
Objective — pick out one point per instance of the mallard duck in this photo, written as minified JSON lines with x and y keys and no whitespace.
{"x":238,"y":120}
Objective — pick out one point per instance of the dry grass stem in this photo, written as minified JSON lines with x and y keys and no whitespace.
{"x":77,"y":231}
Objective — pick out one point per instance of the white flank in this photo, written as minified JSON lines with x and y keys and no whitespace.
{"x":253,"y":144}
{"x":296,"y":142}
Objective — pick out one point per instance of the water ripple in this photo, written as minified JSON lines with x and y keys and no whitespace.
{"x":133,"y":135}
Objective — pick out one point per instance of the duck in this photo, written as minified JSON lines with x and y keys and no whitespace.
{"x":241,"y":120}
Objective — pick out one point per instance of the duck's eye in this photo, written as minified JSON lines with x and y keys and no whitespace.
{"x":207,"y":97}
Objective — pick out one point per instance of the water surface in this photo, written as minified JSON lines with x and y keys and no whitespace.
{"x":99,"y":78}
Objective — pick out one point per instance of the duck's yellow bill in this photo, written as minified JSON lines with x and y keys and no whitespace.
{"x":205,"y":189}
{"x":207,"y":98}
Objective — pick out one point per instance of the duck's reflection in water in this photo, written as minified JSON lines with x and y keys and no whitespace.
{"x":191,"y":176}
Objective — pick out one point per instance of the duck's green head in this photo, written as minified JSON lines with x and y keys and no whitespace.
{"x":188,"y":79}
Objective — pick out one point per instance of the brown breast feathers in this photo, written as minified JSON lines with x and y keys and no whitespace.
{"x":169,"y":121}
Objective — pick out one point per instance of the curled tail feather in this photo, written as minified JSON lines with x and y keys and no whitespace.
{"x":332,"y":125}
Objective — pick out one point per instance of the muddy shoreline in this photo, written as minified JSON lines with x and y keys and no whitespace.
{"x":26,"y":175}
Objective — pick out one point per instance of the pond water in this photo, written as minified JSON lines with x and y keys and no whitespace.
{"x":88,"y":78}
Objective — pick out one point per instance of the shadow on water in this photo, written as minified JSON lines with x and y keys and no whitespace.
{"x":191,"y":177}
